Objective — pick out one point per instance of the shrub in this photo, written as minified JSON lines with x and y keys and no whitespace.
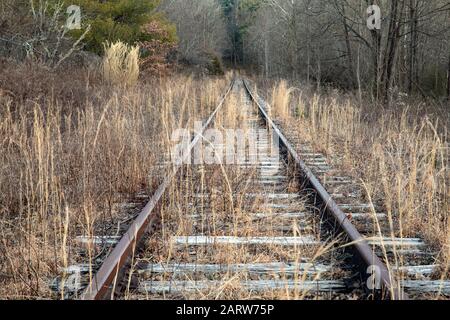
{"x":120,"y":63}
{"x":118,"y":20}
{"x":27,"y":83}
{"x":155,"y":52}
{"x":215,"y":67}
{"x":34,"y":30}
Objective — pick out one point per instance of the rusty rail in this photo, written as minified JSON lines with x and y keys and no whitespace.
{"x":357,"y":240}
{"x":113,"y":264}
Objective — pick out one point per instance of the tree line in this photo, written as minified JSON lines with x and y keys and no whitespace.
{"x":320,"y":41}
{"x":329,"y":41}
{"x":325,"y":41}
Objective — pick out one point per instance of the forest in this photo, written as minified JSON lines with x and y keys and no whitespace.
{"x":320,"y":42}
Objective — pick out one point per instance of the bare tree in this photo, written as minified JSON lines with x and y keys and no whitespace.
{"x":37,"y":30}
{"x":201,"y":28}
{"x":328,"y":40}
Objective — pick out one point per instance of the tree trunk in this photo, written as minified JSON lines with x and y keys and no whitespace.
{"x":351,"y":69}
{"x":266,"y":57}
{"x":448,"y":79}
{"x":308,"y":44}
{"x":319,"y":75}
{"x":390,"y":56}
{"x":376,"y":57}
{"x":412,"y":45}
{"x":358,"y":65}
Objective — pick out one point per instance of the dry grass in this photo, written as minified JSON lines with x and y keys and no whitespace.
{"x":120,"y":64}
{"x":281,"y":96}
{"x":211,"y":200}
{"x":400,"y":155}
{"x":65,"y":172}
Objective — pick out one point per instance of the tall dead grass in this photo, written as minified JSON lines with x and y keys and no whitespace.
{"x":281,"y":97}
{"x":120,"y":63}
{"x":211,"y":200}
{"x":64,"y":171}
{"x":401,"y":155}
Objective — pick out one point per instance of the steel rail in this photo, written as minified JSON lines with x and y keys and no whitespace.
{"x":332,"y":208}
{"x":114,"y":262}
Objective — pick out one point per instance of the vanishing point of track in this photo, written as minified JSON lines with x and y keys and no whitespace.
{"x":353,"y":266}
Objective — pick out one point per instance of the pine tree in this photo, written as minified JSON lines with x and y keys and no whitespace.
{"x":123,"y":20}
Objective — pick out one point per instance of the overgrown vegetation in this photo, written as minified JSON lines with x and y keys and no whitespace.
{"x":201,"y":28}
{"x":120,"y":64}
{"x":400,"y":155}
{"x":86,"y":115}
{"x":65,"y":171}
{"x":121,"y":20}
{"x":222,"y":207}
{"x":325,"y":41}
{"x":36,"y":30}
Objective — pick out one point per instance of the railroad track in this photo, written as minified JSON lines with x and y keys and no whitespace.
{"x":275,"y":223}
